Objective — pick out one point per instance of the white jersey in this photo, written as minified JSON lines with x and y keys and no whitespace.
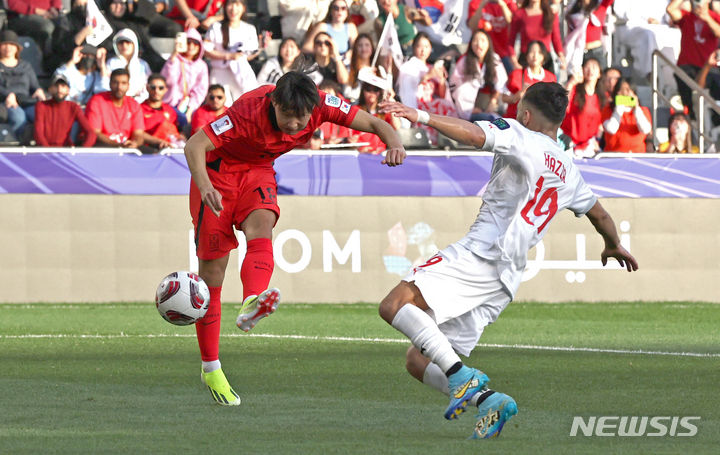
{"x":532,"y":179}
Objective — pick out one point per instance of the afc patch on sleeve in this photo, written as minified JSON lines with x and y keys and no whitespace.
{"x":332,"y":101}
{"x":221,"y":125}
{"x":345,"y":107}
{"x":501,"y":123}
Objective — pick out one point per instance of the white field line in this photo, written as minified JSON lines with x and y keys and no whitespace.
{"x":372,"y":340}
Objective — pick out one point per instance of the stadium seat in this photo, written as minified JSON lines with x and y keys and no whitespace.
{"x":644,"y":94}
{"x":6,"y":136}
{"x":414,"y":138}
{"x":446,"y":143}
{"x":31,"y":54}
{"x":163,"y":46}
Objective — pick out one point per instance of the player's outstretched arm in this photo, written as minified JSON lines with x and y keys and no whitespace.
{"x":454,"y":128}
{"x":395,"y":153}
{"x":195,"y":149}
{"x":605,"y":226}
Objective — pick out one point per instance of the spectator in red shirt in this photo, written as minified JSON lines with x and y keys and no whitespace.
{"x":370,"y":98}
{"x":700,"y":30}
{"x":35,"y":18}
{"x":586,"y":42}
{"x":117,"y":119}
{"x":199,"y":14}
{"x":233,"y":184}
{"x":532,"y":71}
{"x":213,"y":107}
{"x":536,"y":21}
{"x":494,"y":17}
{"x":582,"y":121}
{"x":160,"y":119}
{"x":610,"y":77}
{"x":626,"y":123}
{"x":54,"y":118}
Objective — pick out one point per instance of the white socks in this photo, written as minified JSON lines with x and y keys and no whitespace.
{"x":209,"y":367}
{"x":425,"y":336}
{"x":435,"y":378}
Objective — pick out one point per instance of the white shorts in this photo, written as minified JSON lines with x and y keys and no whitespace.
{"x":464,"y":294}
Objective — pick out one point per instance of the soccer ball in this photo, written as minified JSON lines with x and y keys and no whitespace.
{"x":182,"y":298}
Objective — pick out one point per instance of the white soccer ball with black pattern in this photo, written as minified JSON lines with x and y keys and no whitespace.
{"x":182,"y":298}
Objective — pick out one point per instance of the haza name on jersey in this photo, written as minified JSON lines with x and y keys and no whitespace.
{"x":555,"y":166}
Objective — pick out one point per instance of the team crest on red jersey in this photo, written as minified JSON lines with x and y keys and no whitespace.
{"x":221,"y":125}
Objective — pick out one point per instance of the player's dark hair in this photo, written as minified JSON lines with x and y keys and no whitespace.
{"x":216,"y":87}
{"x":549,"y":98}
{"x":119,"y":72}
{"x":155,"y":77}
{"x":296,"y":93}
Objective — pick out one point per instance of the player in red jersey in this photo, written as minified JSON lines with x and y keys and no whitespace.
{"x":233,"y":184}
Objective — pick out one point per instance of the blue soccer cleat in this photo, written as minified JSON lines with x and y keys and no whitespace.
{"x":463,"y":384}
{"x":496,"y":409}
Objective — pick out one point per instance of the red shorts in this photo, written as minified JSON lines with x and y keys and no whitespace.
{"x":243,"y":189}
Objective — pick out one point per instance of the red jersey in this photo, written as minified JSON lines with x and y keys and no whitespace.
{"x":156,"y":117}
{"x":628,"y":137}
{"x":697,"y":41}
{"x":247,"y":132}
{"x":521,"y":77}
{"x":531,"y":29}
{"x":582,"y":125}
{"x":206,"y":7}
{"x":594,"y":32}
{"x":118,"y":123}
{"x":202,"y":116}
{"x":493,"y":22}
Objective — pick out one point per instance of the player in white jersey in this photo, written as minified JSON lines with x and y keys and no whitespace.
{"x":443,"y":305}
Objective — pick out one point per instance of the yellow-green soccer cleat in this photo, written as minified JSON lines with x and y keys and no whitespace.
{"x":255,"y":308}
{"x":219,"y":388}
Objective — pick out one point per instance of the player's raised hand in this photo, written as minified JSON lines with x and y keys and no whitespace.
{"x":213,"y":199}
{"x":622,"y":255}
{"x":398,"y":110}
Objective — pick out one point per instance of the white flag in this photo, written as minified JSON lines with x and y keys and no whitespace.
{"x":389,"y":42}
{"x":100,"y":27}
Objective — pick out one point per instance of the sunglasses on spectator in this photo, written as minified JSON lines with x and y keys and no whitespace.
{"x":157,"y":87}
{"x":216,"y":97}
{"x":372,"y":88}
{"x":323,"y":43}
{"x":339,"y":8}
{"x":119,"y":1}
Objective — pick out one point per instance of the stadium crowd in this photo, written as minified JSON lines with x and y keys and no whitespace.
{"x":146,"y":74}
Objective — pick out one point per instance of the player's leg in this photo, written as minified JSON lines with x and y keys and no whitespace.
{"x":208,"y":334}
{"x":422,"y":369}
{"x":214,"y":240}
{"x":406,"y":310}
{"x":257,"y":269}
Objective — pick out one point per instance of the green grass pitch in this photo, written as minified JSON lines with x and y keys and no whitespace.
{"x":330,"y":379}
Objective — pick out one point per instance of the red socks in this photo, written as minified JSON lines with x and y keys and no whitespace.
{"x":257,"y":267}
{"x":255,"y":274}
{"x":208,"y":328}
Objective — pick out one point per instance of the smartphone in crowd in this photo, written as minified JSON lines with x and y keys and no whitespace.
{"x":625,"y":100}
{"x":181,"y":42}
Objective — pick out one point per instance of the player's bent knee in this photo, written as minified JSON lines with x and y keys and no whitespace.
{"x":403,"y":293}
{"x":416,"y":363}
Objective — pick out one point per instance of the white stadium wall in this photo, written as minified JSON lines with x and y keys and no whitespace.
{"x":97,"y":248}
